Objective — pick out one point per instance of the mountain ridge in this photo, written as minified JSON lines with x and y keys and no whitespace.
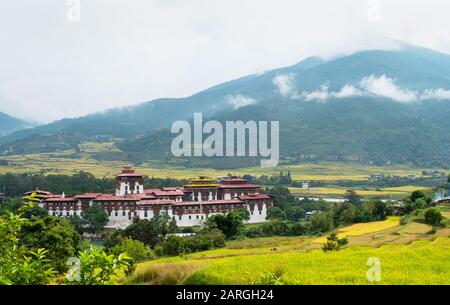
{"x":339,"y":107}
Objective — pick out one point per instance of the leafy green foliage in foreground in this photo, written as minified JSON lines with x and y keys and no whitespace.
{"x":20,"y":264}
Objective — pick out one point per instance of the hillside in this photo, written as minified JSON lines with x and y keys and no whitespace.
{"x":372,"y":107}
{"x":10,"y":124}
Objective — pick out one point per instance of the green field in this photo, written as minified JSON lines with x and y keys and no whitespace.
{"x":409,"y":254}
{"x":69,"y":162}
{"x":394,"y":192}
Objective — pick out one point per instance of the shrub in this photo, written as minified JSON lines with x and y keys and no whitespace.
{"x":174,"y":245}
{"x":134,"y":249}
{"x":97,"y":268}
{"x":334,"y":243}
{"x":433,"y":217}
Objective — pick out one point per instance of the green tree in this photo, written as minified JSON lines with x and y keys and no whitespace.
{"x":12,"y":204}
{"x":173,"y":225}
{"x":352,"y":197}
{"x":134,"y":249}
{"x":174,"y":245}
{"x":95,"y":218}
{"x":417,"y":195}
{"x":276,"y":213}
{"x":148,"y":231}
{"x":334,"y":243}
{"x":345,"y":213}
{"x":77,"y":223}
{"x":231,"y":224}
{"x":53,"y":233}
{"x":18,"y":265}
{"x":295,"y":213}
{"x":433,"y":216}
{"x":322,"y":222}
{"x":96,"y":267}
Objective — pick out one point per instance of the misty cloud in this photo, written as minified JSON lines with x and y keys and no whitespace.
{"x":285,"y":84}
{"x":385,"y":87}
{"x":435,"y":94}
{"x":238,"y":101}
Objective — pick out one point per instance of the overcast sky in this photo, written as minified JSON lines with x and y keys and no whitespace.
{"x":123,"y":52}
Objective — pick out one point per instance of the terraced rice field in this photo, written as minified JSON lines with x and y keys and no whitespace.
{"x":407,"y":256}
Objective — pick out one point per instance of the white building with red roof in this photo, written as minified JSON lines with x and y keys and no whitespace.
{"x":190,"y":205}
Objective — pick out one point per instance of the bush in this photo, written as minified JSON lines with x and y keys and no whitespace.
{"x":55,"y":235}
{"x":174,"y":245}
{"x":97,"y":268}
{"x":334,"y":243}
{"x":134,"y":249}
{"x":433,"y":217}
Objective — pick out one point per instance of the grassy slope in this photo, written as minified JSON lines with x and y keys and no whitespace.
{"x":409,"y":253}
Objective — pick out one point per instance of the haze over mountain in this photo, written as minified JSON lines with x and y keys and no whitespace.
{"x":9,"y":124}
{"x":374,"y":106}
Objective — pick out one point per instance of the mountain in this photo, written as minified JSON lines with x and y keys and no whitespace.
{"x":10,"y":124}
{"x":377,"y":106}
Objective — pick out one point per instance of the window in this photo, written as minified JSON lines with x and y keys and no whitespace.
{"x":202,"y":216}
{"x":179,"y":217}
{"x":116,"y":213}
{"x":145,"y":214}
{"x":197,"y":217}
{"x":190,"y":217}
{"x":123,"y":213}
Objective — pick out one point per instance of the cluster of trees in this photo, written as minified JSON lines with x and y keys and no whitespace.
{"x":288,"y":215}
{"x":36,"y":250}
{"x":81,"y":182}
{"x":149,"y":238}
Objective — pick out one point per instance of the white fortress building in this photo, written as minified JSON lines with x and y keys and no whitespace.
{"x":189,"y":205}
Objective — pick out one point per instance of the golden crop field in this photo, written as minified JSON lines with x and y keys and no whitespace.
{"x":422,"y":262}
{"x":364,"y":228}
{"x":407,"y":256}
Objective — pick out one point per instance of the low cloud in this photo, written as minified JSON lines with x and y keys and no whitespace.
{"x":382,"y":86}
{"x":238,"y":101}
{"x":285,"y":84}
{"x":323,"y":93}
{"x":435,"y":94}
{"x":386,"y":87}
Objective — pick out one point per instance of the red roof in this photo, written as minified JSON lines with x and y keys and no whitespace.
{"x":168,"y":193}
{"x":60,"y":199}
{"x":87,"y":195}
{"x":254,"y":196}
{"x":38,"y":192}
{"x":110,"y":197}
{"x":156,"y":201}
{"x":232,"y":201}
{"x":237,"y":186}
{"x":129,"y":175}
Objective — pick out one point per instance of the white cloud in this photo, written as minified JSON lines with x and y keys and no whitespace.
{"x":386,"y":87}
{"x":348,"y":91}
{"x":435,"y":94}
{"x":238,"y":101}
{"x":383,"y":86}
{"x":321,"y":95}
{"x":285,"y":84}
